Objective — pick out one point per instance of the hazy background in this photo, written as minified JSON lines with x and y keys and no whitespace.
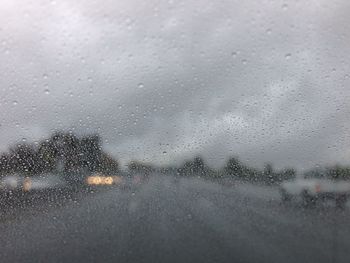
{"x":163,"y":81}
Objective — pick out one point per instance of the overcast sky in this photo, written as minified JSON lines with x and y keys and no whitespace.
{"x":164,"y":80}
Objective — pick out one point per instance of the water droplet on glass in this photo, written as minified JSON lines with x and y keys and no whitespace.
{"x":47,"y":91}
{"x":288,"y":55}
{"x":15,"y":102}
{"x":140,"y":85}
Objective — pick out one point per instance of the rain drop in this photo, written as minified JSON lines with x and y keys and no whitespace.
{"x":288,"y":55}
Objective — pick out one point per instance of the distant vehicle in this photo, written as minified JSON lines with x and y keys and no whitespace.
{"x":11,"y":184}
{"x":14,"y":184}
{"x":44,"y":182}
{"x":312,"y":189}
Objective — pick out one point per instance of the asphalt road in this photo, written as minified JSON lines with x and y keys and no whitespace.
{"x":189,"y":220}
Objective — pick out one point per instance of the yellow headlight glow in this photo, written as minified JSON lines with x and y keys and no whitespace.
{"x":102,"y":180}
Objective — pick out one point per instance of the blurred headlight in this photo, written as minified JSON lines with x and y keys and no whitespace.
{"x":27,"y":184}
{"x":100,"y":180}
{"x":108,"y":180}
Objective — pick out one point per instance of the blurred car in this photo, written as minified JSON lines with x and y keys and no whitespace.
{"x":11,"y":184}
{"x":312,"y":189}
{"x":43,"y":183}
{"x":16,"y":184}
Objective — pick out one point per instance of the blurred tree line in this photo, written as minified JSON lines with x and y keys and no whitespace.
{"x":140,"y":167}
{"x":237,"y":170}
{"x":71,"y":155}
{"x":63,"y":152}
{"x":234,"y":169}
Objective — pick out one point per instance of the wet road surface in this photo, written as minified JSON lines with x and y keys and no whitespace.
{"x":185,"y":220}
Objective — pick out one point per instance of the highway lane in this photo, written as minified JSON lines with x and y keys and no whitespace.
{"x":190,"y":220}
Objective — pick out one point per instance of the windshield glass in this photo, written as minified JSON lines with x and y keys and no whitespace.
{"x":174,"y":131}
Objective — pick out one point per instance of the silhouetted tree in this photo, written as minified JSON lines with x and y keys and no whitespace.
{"x":140,"y":167}
{"x":23,"y":158}
{"x":286,"y":174}
{"x":196,"y":167}
{"x":62,"y":152}
{"x":108,"y":164}
{"x":268,"y":175}
{"x":234,"y":168}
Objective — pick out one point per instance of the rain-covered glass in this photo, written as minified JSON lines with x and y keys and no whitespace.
{"x":174,"y":131}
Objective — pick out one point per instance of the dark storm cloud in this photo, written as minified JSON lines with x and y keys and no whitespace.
{"x":162,"y":81}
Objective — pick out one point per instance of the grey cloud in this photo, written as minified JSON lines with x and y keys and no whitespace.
{"x":264,"y":81}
